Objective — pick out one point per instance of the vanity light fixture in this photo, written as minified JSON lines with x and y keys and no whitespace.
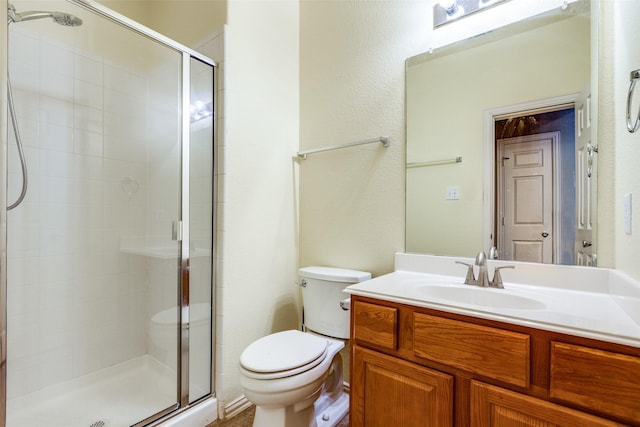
{"x":449,"y":10}
{"x":451,"y":7}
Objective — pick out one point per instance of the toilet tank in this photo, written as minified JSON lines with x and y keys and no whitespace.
{"x":322,"y":291}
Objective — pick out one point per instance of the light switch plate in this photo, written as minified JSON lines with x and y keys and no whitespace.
{"x":452,"y":193}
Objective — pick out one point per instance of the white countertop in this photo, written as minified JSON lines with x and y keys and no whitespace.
{"x":608,"y":308}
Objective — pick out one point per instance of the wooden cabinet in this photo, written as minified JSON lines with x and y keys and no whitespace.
{"x":418,"y":366}
{"x":393,"y":392}
{"x":494,"y":406}
{"x":499,"y":354}
{"x":603,"y":381}
{"x":377,"y":325}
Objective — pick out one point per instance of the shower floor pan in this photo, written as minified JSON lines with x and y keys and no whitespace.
{"x":117,"y":396}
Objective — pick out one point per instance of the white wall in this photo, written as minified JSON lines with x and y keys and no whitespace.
{"x":352,"y":88}
{"x":186,"y":21}
{"x":257,"y":227}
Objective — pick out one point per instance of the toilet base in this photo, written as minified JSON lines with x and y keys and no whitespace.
{"x":283,"y":417}
{"x":329,"y":412}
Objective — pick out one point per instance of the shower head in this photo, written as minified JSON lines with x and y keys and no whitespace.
{"x":66,"y":19}
{"x":59,"y":17}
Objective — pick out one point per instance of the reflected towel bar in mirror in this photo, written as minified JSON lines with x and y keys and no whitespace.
{"x":386,"y":141}
{"x":632,"y":127}
{"x":435,"y":162}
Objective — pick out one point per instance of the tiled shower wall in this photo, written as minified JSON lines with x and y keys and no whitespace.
{"x":77,"y":303}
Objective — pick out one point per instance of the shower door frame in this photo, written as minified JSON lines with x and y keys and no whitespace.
{"x":4,"y":141}
{"x":187,"y":55}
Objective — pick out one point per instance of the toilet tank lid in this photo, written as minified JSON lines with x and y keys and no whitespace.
{"x":334,"y":274}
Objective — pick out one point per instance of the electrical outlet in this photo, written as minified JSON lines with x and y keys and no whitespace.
{"x":452,"y":193}
{"x":627,"y":213}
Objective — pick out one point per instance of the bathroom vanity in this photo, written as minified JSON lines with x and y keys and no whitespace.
{"x":534,"y":355}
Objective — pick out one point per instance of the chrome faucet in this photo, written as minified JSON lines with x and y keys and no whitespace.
{"x":497,"y":278}
{"x":493,"y":253}
{"x":483,"y":274}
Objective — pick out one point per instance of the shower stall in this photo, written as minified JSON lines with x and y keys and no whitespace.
{"x":106,"y":220}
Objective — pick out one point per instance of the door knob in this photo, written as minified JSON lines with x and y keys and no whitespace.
{"x":586,"y":243}
{"x":545,"y":234}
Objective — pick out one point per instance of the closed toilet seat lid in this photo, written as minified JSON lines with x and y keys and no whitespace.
{"x":283,"y":353}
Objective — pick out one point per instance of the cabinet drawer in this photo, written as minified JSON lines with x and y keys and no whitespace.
{"x":595,"y":379}
{"x":498,"y":354}
{"x":375,"y":324}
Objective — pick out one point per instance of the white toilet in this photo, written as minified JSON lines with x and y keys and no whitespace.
{"x":295,"y":378}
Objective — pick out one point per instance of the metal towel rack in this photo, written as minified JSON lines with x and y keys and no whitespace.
{"x":435,"y":162}
{"x":632,"y":127}
{"x":386,"y":141}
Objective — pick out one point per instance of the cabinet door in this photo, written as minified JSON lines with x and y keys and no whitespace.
{"x":606,"y":382}
{"x":386,"y":391}
{"x":496,"y":407}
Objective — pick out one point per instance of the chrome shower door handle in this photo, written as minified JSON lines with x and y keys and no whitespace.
{"x":176,"y":230}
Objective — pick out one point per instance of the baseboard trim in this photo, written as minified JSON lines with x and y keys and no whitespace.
{"x":237,"y":406}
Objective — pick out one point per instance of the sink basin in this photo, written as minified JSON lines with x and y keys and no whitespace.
{"x":471,"y":295}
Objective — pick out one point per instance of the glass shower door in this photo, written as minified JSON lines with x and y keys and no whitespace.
{"x":93,"y":265}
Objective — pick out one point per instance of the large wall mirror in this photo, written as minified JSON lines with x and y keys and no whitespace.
{"x":501,"y":143}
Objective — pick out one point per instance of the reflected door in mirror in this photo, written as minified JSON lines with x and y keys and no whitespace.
{"x":526,"y":198}
{"x":585,"y":179}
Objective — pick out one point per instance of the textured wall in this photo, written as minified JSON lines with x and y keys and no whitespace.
{"x":352,"y":88}
{"x":626,"y":51}
{"x":606,"y":131}
{"x":257,"y":231}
